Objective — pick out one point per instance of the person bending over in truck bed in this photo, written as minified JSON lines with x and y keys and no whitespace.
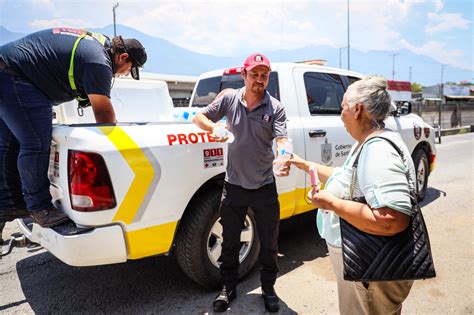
{"x":255,"y":118}
{"x":47,"y":68}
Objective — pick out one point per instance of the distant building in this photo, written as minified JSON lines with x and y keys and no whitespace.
{"x":449,"y":92}
{"x":180,"y":87}
{"x":400,"y":91}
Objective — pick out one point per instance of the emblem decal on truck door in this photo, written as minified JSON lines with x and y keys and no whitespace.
{"x":416,"y":131}
{"x":326,"y":153}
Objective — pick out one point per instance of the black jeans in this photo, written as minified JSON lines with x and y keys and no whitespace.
{"x":234,"y":205}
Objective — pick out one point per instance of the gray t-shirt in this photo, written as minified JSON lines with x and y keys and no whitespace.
{"x":249,"y":162}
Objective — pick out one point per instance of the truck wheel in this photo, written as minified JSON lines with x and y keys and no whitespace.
{"x":420,"y":159}
{"x":199,"y":241}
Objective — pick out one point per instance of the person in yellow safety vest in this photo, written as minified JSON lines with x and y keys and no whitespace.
{"x":47,"y":68}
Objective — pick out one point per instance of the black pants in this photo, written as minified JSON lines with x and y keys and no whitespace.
{"x":234,"y":205}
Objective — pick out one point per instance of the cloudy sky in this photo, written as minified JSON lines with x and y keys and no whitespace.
{"x":441,"y":29}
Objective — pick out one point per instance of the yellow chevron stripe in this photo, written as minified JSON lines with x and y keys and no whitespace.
{"x":141,"y":167}
{"x":150,"y":241}
{"x":294,"y":202}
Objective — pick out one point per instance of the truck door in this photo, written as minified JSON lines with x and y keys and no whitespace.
{"x":319,"y":101}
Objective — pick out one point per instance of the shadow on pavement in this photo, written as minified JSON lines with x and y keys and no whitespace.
{"x":431,"y":195}
{"x":156,"y":284}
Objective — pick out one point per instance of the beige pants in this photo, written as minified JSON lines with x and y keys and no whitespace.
{"x":367,"y":297}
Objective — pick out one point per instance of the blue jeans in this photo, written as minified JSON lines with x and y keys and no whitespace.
{"x":25,"y":140}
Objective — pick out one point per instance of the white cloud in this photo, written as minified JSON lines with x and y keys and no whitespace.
{"x":441,"y":53}
{"x":228,"y":27}
{"x":236,"y":27}
{"x":439,"y":5}
{"x":76,"y":23}
{"x":43,"y":3}
{"x":441,"y":22}
{"x":39,"y":7}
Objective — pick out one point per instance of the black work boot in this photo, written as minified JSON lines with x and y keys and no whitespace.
{"x":6,"y":216}
{"x":49,"y":217}
{"x":222,"y":301}
{"x":271,"y":300}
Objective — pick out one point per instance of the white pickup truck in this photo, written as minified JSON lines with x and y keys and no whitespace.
{"x":151,"y":185}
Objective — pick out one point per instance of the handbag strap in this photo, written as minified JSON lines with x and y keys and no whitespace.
{"x":413,"y":198}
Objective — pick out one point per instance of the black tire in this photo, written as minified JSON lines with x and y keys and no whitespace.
{"x":192,"y":241}
{"x":422,"y":171}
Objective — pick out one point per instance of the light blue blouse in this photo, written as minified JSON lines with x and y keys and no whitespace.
{"x":381,"y":178}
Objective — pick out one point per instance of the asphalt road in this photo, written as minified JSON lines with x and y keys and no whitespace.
{"x":33,"y":281}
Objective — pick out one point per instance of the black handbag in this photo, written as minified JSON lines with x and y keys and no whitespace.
{"x":403,"y":256}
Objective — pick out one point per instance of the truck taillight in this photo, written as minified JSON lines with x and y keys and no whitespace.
{"x":90,"y":188}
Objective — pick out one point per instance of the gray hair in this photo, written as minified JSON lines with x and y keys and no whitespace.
{"x":372,"y":92}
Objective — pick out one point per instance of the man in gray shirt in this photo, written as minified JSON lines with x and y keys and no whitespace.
{"x":255,"y":118}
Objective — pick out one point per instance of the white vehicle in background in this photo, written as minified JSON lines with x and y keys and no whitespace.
{"x":151,"y":185}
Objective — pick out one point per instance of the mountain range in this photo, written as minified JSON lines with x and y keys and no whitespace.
{"x":167,"y":58}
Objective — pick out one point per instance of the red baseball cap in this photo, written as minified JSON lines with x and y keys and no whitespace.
{"x":256,"y":59}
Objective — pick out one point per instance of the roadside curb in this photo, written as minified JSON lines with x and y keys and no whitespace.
{"x":455,"y":131}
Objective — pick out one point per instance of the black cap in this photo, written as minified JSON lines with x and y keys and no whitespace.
{"x":137,"y":54}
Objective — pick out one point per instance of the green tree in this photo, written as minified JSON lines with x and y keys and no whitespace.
{"x":416,"y":87}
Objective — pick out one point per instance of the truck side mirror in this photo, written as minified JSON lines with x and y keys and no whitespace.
{"x":403,"y":108}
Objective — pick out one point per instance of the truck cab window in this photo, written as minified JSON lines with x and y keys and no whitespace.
{"x":324,"y":92}
{"x":207,"y":89}
{"x":352,"y":79}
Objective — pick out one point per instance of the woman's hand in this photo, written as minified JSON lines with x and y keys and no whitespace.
{"x":321,"y":199}
{"x":299,"y":162}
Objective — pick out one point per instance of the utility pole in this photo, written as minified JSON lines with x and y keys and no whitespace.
{"x":441,"y":84}
{"x":340,"y":54}
{"x":348,"y":40}
{"x":393,"y":65}
{"x":113,"y":10}
{"x":409,"y":74}
{"x":441,"y":99}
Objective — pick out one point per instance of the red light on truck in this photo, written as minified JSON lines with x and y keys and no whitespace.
{"x":90,"y":187}
{"x":427,"y":132}
{"x":432,"y":161}
{"x":231,"y":71}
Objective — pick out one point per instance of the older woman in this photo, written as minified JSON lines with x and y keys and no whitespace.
{"x":381,"y":179}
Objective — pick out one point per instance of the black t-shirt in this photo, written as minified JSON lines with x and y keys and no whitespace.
{"x":43,"y":58}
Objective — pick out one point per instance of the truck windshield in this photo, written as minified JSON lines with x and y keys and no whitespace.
{"x":207,"y":89}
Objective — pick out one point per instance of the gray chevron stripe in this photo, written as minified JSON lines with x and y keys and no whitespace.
{"x":153,"y":184}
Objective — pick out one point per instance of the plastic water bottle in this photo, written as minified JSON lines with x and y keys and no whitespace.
{"x":313,"y":175}
{"x":184,"y":115}
{"x":222,"y":132}
{"x":285,"y":152}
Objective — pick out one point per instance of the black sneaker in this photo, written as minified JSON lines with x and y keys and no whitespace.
{"x":271,"y":300}
{"x":2,"y":225}
{"x":222,"y":301}
{"x":49,"y":217}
